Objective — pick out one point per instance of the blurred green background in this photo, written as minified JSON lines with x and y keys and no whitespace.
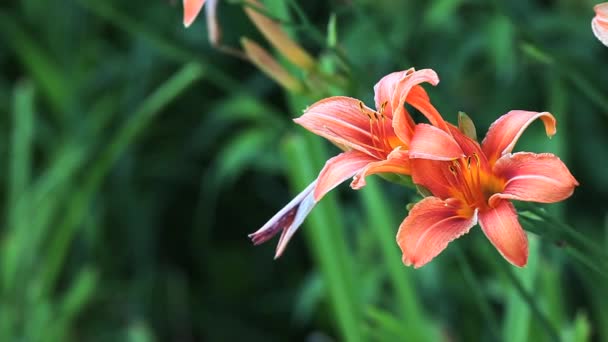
{"x":136,"y":159}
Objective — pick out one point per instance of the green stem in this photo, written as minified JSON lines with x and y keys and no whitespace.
{"x":326,"y":236}
{"x":477,"y":292}
{"x":382,"y":223}
{"x":568,"y":232}
{"x":527,"y":296}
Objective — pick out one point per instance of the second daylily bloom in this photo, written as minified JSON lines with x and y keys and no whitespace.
{"x":599,"y":24}
{"x":478,"y":186}
{"x":374,"y":141}
{"x":191,"y":10}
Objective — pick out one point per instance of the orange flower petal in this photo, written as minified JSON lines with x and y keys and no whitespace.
{"x":502,"y":228}
{"x":385,"y":89}
{"x":599,"y":24}
{"x":433,"y":175}
{"x":402,"y":121}
{"x":396,"y":162}
{"x":429,"y":227}
{"x":430,"y":142}
{"x":341,"y":120}
{"x":191,"y":10}
{"x":470,"y":147}
{"x":533,"y":177}
{"x":338,"y":169}
{"x":504,"y":132}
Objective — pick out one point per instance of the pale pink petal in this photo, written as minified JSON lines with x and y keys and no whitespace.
{"x":341,"y":120}
{"x":385,"y":88}
{"x":287,"y":220}
{"x":502,"y":228}
{"x":214,"y":32}
{"x":533,"y":177}
{"x":599,"y":24}
{"x":430,"y":142}
{"x":504,"y":132}
{"x":191,"y":10}
{"x":338,"y":169}
{"x":430,"y":226}
{"x":402,"y":121}
{"x":396,"y":162}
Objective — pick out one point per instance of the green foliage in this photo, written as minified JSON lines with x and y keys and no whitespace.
{"x":136,"y":159}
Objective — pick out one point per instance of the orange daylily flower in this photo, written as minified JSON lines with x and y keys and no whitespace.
{"x":478,"y":187}
{"x":191,"y":10}
{"x":374,"y":141}
{"x":599,"y":24}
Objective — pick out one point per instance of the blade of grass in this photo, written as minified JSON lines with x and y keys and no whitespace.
{"x":165,"y":46}
{"x":478,"y":294}
{"x":47,"y":74}
{"x":382,"y":222}
{"x":123,"y":138}
{"x":326,"y":238}
{"x":21,"y":144}
{"x":516,"y":325}
{"x":20,"y":165}
{"x":524,"y":293}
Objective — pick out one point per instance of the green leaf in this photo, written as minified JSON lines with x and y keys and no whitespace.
{"x":332,"y":31}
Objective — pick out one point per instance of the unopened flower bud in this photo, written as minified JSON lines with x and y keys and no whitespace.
{"x":266,"y":62}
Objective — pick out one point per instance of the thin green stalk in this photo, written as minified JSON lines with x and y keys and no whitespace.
{"x":167,"y":47}
{"x":507,"y":269}
{"x":20,"y":167}
{"x":39,"y":65}
{"x":477,"y":291}
{"x":303,"y":18}
{"x":585,"y":260}
{"x":557,"y":237}
{"x":326,"y":238}
{"x":585,"y":87}
{"x":123,"y":138}
{"x":21,"y":144}
{"x":382,"y":222}
{"x":517,"y":325}
{"x":570,"y":233}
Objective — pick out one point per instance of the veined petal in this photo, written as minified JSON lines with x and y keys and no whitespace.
{"x":430,"y":142}
{"x":429,"y":227}
{"x":433,"y":175}
{"x":341,"y":120}
{"x":504,"y":132}
{"x":191,"y":10}
{"x":599,"y":24}
{"x":470,"y":147}
{"x":385,"y":89}
{"x":502,"y":228}
{"x":533,"y":177}
{"x":403,"y":124}
{"x":287,"y":220}
{"x":396,"y":162}
{"x":338,"y":169}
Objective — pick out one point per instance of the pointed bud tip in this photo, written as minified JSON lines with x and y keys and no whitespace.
{"x":466,"y":125}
